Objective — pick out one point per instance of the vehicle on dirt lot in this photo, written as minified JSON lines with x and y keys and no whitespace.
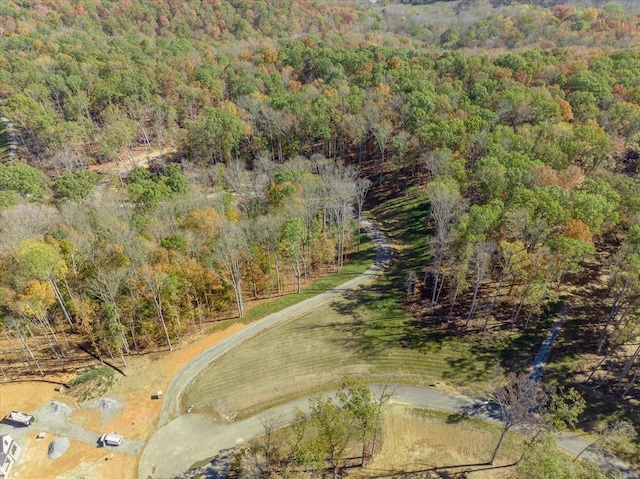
{"x":20,"y":418}
{"x":111,"y":439}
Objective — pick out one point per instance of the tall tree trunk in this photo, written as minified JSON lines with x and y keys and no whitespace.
{"x":26,"y":346}
{"x":238,"y":292}
{"x":503,"y":433}
{"x":133,"y":337}
{"x":604,"y":358}
{"x":472,"y":308}
{"x":628,"y":366}
{"x":61,"y":304}
{"x":493,"y":303}
{"x":18,"y":353}
{"x":158,"y":304}
{"x":631,"y":383}
{"x":613,"y":312}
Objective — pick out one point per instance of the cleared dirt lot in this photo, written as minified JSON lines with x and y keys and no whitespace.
{"x":135,"y":419}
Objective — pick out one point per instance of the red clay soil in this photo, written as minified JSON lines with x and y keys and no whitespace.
{"x":136,"y":419}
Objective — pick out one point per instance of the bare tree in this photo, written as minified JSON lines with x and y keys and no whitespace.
{"x":19,"y":329}
{"x":267,"y":230}
{"x":511,"y":259}
{"x":340,"y":189}
{"x":446,"y":206}
{"x":375,"y":113}
{"x":24,"y":221}
{"x":236,"y":174}
{"x":229,"y":254}
{"x":153,"y":278}
{"x":436,"y":161}
{"x":105,"y":285}
{"x":362,"y":188}
{"x":482,"y":256}
{"x":521,"y":403}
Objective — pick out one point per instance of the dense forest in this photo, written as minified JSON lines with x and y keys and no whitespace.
{"x":519,"y":124}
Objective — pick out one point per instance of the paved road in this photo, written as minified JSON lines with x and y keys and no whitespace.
{"x":540,"y":360}
{"x":184,"y":441}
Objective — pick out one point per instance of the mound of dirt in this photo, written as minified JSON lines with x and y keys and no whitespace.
{"x":105,"y":406}
{"x":59,"y":408}
{"x":58,"y":447}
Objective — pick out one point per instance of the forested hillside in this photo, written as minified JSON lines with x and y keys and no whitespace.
{"x":520,"y":128}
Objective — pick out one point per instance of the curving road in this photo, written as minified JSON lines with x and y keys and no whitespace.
{"x":188,"y":435}
{"x":171,"y":403}
{"x":185,"y":441}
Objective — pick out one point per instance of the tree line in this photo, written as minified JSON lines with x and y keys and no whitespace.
{"x":136,"y":267}
{"x":527,"y":157}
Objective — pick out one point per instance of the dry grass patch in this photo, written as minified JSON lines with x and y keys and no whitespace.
{"x":416,"y":440}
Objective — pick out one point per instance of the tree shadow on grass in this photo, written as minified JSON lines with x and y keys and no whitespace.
{"x":444,"y":472}
{"x":510,"y":348}
{"x":378,"y":325}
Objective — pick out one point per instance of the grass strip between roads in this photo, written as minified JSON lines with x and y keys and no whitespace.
{"x":366,"y":334}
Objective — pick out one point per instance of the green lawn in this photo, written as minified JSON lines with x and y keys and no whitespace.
{"x":365,"y":334}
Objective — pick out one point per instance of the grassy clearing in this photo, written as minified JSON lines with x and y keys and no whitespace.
{"x":366,"y":334}
{"x":423,"y":441}
{"x":92,"y":384}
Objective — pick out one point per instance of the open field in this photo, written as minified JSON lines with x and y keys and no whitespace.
{"x":365,"y":334}
{"x":419,"y":441}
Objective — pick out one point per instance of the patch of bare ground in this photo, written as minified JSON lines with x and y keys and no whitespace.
{"x":138,"y":157}
{"x":135,"y":417}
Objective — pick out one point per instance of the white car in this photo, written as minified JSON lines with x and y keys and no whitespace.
{"x":111,"y":439}
{"x":20,"y":418}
